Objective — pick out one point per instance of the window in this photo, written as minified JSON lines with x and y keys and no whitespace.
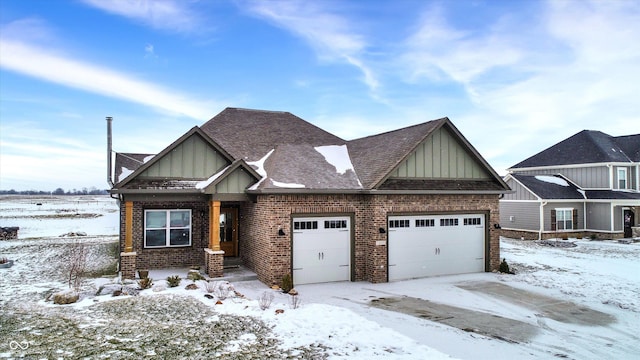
{"x":564,"y":219}
{"x":622,"y":178}
{"x":335,"y":224}
{"x":449,"y":222}
{"x":167,"y":228}
{"x":305,"y":225}
{"x":472,"y":221}
{"x":398,"y":223}
{"x":425,"y":223}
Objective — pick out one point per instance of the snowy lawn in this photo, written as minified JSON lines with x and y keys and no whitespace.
{"x":332,"y":320}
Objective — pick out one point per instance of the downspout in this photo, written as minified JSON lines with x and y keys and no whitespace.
{"x":109,"y":151}
{"x":542,"y":205}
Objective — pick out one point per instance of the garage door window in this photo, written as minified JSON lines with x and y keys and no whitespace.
{"x":335,"y":224}
{"x":425,"y":223}
{"x":449,"y":222}
{"x":472,"y":221}
{"x":305,"y":225}
{"x":399,"y":223}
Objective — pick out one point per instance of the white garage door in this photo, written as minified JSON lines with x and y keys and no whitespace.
{"x":321,"y":249}
{"x":430,"y":245}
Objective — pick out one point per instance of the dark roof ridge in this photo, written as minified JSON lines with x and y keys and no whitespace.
{"x":257,"y":110}
{"x":401,"y":129}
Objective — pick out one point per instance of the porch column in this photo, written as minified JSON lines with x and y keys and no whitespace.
{"x":214,"y":256}
{"x":128,"y":256}
{"x":214,"y":225}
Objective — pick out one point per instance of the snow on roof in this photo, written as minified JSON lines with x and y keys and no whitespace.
{"x":552,"y":179}
{"x":336,"y":155}
{"x":124,"y":172}
{"x":259,"y":164}
{"x":146,"y":159}
{"x":205,"y":183}
{"x":286,"y":185}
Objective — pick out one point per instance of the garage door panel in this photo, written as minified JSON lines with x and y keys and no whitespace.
{"x":322,"y":254}
{"x":430,"y":245}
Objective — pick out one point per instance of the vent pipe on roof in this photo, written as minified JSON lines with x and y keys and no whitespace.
{"x":109,"y":151}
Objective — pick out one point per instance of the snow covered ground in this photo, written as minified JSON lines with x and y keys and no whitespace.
{"x":333,"y":320}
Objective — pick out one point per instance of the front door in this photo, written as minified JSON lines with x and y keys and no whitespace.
{"x":629,"y":221}
{"x":229,"y":231}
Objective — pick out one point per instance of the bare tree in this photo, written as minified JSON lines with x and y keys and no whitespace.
{"x":77,"y":264}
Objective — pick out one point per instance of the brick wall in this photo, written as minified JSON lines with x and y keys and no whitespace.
{"x":269,"y":254}
{"x":168,"y":257}
{"x":531,"y":235}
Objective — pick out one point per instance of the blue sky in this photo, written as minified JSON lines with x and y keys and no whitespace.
{"x":514,"y":76}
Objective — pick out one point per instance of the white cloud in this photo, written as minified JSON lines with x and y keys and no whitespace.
{"x":332,"y":36}
{"x":159,"y":14}
{"x":45,"y":64}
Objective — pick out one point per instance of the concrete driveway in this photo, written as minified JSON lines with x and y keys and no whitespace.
{"x":492,"y":325}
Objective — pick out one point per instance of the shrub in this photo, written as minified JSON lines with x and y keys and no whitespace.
{"x":295,"y":301}
{"x":4,"y":260}
{"x":195,"y":275}
{"x":287,"y":283}
{"x":265,"y":300}
{"x":593,"y":236}
{"x":210,"y":287}
{"x":504,"y":267}
{"x":174,"y":280}
{"x":143,"y":274}
{"x":145,"y":283}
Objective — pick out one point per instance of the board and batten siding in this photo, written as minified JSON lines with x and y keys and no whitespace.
{"x":440,"y":155}
{"x":576,"y":206}
{"x":194,"y":158}
{"x":235,"y":183}
{"x":520,"y":192}
{"x":599,"y":216}
{"x":520,"y":215}
{"x":596,"y":177}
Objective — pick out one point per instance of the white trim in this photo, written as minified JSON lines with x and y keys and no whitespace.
{"x":626,"y":178}
{"x":568,"y":166}
{"x":167,"y":228}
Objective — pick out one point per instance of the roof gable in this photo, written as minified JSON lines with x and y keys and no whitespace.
{"x":233,"y":179}
{"x":440,"y":156}
{"x":585,"y":147}
{"x":423,"y":157}
{"x":193,"y":156}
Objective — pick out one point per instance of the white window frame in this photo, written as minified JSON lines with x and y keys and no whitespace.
{"x":167,"y":228}
{"x":560,"y":219}
{"x":622,"y":179}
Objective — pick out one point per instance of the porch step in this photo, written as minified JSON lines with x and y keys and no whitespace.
{"x":237,"y":273}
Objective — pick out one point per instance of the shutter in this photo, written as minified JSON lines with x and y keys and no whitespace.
{"x":574,"y":212}
{"x":553,"y":219}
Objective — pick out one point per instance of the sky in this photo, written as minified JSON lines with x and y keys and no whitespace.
{"x":515,"y":77}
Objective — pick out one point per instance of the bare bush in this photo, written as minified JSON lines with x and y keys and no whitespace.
{"x":77,"y":265}
{"x":221,"y":291}
{"x":265,"y":300}
{"x":209,"y":287}
{"x":295,"y":301}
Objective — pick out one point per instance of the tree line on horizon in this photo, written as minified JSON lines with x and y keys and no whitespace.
{"x":59,"y":191}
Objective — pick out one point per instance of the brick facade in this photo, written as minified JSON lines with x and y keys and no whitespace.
{"x":168,"y":257}
{"x":269,"y":254}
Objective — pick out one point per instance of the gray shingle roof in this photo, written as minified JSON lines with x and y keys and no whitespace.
{"x":375,"y":156}
{"x":127,"y":161}
{"x":250,"y":134}
{"x":548,"y":189}
{"x":585,"y":147}
{"x":612,"y":195}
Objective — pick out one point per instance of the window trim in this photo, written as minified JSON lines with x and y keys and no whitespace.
{"x":168,"y":228}
{"x":619,"y":178}
{"x":564,"y":220}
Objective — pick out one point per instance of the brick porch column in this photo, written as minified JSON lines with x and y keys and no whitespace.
{"x":213,"y":256}
{"x":128,"y":265}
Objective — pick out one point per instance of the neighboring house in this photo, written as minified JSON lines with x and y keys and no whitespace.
{"x":586,"y":185}
{"x":287,"y":197}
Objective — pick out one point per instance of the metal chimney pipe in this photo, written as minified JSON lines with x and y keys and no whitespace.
{"x":109,"y":151}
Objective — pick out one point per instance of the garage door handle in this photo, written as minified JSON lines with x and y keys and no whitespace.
{"x":297,"y":269}
{"x":392,"y":264}
{"x":343,"y":265}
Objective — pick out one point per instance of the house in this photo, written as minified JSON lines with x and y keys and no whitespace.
{"x":585,"y":185}
{"x":286,"y":197}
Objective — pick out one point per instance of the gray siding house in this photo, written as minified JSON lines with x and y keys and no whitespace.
{"x":585,"y":185}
